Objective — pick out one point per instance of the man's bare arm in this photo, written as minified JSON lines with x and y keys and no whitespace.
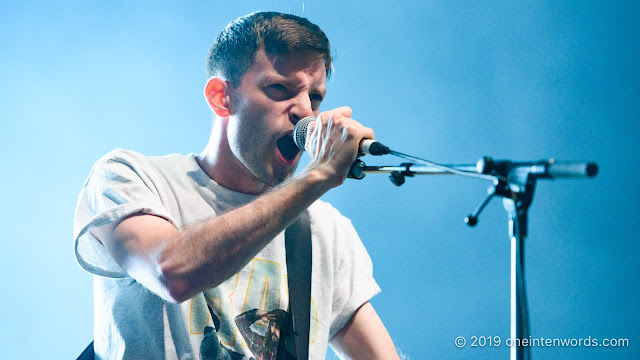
{"x":364,"y":337}
{"x":179,"y":264}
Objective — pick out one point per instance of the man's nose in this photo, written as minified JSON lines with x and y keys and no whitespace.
{"x":301,"y":108}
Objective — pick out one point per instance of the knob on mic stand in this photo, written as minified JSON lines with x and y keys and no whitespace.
{"x":472,"y":219}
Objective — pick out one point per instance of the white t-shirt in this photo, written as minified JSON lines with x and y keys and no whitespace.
{"x":240,"y":318}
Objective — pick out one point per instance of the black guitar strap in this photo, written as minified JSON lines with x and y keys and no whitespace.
{"x":297,"y":243}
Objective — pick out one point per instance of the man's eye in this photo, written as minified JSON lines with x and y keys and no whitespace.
{"x":316,"y":99}
{"x":277,"y":92}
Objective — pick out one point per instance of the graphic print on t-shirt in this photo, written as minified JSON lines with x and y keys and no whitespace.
{"x":211,"y":348}
{"x":271,"y":342}
{"x":275,"y":344}
{"x":247,"y":311}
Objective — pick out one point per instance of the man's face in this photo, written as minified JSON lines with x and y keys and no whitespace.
{"x":275,"y":93}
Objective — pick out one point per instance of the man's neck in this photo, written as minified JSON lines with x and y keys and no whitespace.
{"x":217,"y":161}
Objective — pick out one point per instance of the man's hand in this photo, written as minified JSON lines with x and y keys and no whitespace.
{"x":333,"y":141}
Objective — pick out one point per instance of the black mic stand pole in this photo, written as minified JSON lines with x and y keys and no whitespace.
{"x":515,"y":183}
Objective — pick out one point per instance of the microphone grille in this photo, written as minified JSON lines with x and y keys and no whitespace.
{"x":300,"y":131}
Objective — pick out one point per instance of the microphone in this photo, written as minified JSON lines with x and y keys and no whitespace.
{"x":367,"y":146}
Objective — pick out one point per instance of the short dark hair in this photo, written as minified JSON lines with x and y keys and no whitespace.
{"x":235,"y":48}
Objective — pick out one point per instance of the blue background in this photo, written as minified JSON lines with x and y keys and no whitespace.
{"x":450,"y":81}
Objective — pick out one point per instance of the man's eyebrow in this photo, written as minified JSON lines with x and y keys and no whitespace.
{"x":274,"y":78}
{"x":320,"y":91}
{"x":277,"y":78}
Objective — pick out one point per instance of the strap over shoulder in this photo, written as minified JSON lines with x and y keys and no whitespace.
{"x":297,"y":239}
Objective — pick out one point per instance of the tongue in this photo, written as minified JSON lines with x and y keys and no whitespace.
{"x":287,"y":147}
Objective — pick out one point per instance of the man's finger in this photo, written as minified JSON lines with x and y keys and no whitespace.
{"x":343,"y":110}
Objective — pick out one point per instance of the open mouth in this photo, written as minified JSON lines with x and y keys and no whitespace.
{"x":288,"y":148}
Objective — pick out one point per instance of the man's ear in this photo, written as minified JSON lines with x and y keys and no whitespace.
{"x":216,"y":92}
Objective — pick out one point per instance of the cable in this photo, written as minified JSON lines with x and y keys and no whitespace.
{"x":443,"y":167}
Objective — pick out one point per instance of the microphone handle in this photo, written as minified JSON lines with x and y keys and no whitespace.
{"x":372,"y":147}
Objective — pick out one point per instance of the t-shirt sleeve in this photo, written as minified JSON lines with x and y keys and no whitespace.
{"x":354,"y":284}
{"x":119,"y":185}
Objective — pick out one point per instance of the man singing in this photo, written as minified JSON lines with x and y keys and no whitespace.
{"x":189,"y":250}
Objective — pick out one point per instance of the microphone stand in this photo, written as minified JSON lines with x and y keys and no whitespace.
{"x":515,"y":183}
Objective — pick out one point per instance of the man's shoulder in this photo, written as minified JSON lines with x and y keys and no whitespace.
{"x":320,"y":206}
{"x":125,"y":166}
{"x":136,"y":160}
{"x":323,"y":211}
{"x":125,"y":155}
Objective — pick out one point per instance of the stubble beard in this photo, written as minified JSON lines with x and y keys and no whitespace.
{"x":255,"y":164}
